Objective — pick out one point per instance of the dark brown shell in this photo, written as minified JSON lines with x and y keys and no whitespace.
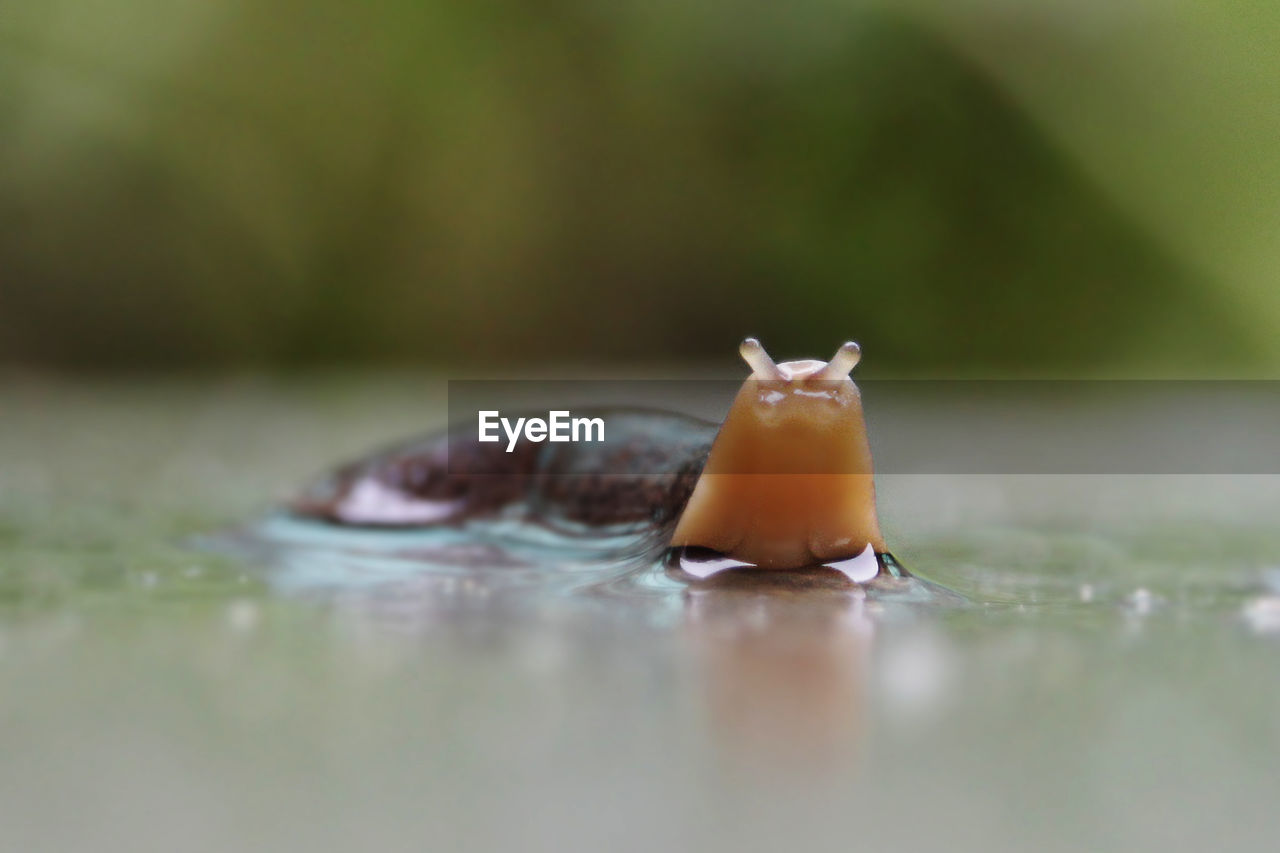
{"x":642,"y":475}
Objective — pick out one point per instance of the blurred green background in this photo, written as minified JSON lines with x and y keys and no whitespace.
{"x":962,"y":186}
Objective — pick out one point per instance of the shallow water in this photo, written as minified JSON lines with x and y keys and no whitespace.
{"x":182,"y":669}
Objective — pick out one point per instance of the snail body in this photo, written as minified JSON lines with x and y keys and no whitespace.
{"x":785,"y":482}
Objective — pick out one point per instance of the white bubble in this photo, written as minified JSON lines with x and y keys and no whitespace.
{"x":1142,"y":601}
{"x":1263,"y":614}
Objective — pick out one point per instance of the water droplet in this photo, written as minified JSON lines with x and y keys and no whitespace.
{"x":1263,"y":614}
{"x":1142,"y":601}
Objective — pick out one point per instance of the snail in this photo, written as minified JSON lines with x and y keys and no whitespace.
{"x":785,"y":482}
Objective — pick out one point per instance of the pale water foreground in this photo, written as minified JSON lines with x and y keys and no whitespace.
{"x":1108,"y":677}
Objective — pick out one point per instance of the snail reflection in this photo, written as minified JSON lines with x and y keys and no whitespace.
{"x":783,"y":658}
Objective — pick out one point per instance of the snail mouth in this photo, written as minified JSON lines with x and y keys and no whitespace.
{"x":703,"y":564}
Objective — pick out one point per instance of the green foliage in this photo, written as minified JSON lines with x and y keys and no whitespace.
{"x":290,"y":183}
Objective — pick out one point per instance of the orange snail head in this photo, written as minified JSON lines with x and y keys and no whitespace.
{"x":789,"y":481}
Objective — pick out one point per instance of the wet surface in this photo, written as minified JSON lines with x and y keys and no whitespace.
{"x":1085,"y":662}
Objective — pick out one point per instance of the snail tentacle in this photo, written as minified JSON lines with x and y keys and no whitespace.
{"x":842,"y":363}
{"x":753,"y":353}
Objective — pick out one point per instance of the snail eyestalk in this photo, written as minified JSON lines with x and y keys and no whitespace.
{"x":842,"y":363}
{"x":753,"y":353}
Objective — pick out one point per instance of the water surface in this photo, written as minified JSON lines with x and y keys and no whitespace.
{"x":182,"y":669}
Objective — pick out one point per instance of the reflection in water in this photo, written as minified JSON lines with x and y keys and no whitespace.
{"x":784,"y":659}
{"x":780,"y":659}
